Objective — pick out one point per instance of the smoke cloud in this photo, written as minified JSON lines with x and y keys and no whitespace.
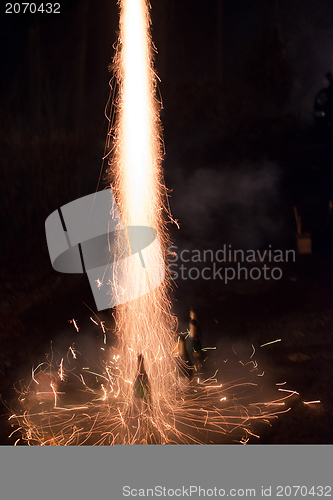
{"x":238,"y":206}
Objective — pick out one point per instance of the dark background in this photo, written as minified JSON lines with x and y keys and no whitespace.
{"x":238,"y":84}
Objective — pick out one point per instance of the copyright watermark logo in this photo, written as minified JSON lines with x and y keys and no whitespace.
{"x":227,"y":264}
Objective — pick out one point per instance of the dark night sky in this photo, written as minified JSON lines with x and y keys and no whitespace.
{"x":233,"y":73}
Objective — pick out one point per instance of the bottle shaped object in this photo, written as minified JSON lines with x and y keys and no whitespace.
{"x":141,"y":383}
{"x":193,"y":343}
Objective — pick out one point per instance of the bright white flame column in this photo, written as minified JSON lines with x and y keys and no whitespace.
{"x":138,"y":147}
{"x":145,"y":325}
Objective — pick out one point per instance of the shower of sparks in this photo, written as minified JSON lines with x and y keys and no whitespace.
{"x":272,"y":342}
{"x":145,"y":325}
{"x":95,"y":410}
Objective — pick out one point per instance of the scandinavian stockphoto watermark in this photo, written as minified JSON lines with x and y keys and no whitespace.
{"x":227,"y":263}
